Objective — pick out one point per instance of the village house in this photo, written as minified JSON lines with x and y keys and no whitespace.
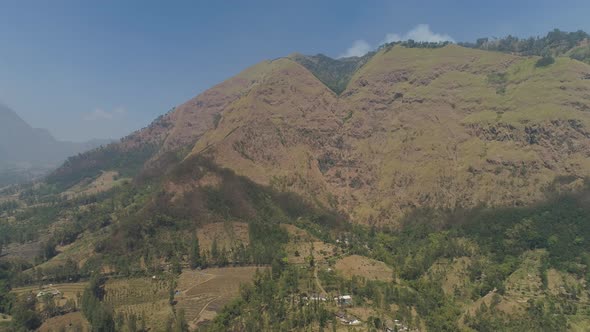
{"x":347,"y":319}
{"x":318,"y":298}
{"x":343,"y":300}
{"x":49,"y":292}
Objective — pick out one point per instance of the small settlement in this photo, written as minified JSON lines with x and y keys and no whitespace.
{"x":48,"y":292}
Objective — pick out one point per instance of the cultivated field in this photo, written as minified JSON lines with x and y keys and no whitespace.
{"x":144,"y":297}
{"x":72,"y":322}
{"x":26,"y":251}
{"x":364,"y":267}
{"x":227,"y":234}
{"x":4,"y":321}
{"x":79,"y":251}
{"x":454,"y":276}
{"x":202,"y":294}
{"x":302,"y":244}
{"x":68,"y":290}
{"x":106,"y":181}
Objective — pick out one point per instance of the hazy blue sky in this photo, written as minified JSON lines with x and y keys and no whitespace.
{"x":101,"y":69}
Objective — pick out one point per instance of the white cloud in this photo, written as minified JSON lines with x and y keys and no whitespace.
{"x":101,"y":114}
{"x":420,"y":33}
{"x":120,"y":111}
{"x":392,"y":37}
{"x":358,"y":48}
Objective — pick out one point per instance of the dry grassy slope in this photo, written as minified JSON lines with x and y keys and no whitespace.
{"x":193,"y":118}
{"x":183,"y":125}
{"x":174,"y":132}
{"x":415,"y":127}
{"x":443,"y":127}
{"x":272,"y":134}
{"x":452,"y":140}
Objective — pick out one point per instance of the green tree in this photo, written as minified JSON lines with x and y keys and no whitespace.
{"x":171,"y":293}
{"x":545,"y":61}
{"x":180,"y":324}
{"x":132,"y":322}
{"x":99,"y":315}
{"x":24,"y":314}
{"x":195,"y":253}
{"x":214,"y":251}
{"x":176,"y":267}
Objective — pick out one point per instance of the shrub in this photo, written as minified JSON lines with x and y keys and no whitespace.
{"x":545,"y":61}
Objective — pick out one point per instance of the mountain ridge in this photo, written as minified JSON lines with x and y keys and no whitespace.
{"x":439,"y":108}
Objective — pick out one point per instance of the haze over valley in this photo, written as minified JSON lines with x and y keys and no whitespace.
{"x":27,"y":153}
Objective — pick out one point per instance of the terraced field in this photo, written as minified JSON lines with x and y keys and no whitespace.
{"x":5,"y":322}
{"x":67,"y":290}
{"x":106,"y":181}
{"x":26,"y":251}
{"x":227,"y":234}
{"x":145,"y":297}
{"x":202,"y":294}
{"x":72,"y":322}
{"x":364,"y":267}
{"x":302,"y":244}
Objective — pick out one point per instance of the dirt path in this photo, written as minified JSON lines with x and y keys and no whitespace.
{"x":210,"y":277}
{"x":205,"y":307}
{"x":318,"y":283}
{"x":187,"y":297}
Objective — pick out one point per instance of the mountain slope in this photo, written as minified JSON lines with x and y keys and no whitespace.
{"x":167,"y":138}
{"x":442,"y":128}
{"x":449,"y":127}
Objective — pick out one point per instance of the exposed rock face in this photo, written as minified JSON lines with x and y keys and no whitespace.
{"x":413,"y":128}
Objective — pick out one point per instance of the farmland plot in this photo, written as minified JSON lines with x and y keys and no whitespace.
{"x":202,"y":294}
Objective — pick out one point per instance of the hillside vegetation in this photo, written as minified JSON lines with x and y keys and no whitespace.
{"x":334,"y":73}
{"x":555,"y":43}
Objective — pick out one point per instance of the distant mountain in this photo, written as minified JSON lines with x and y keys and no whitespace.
{"x":26,"y":152}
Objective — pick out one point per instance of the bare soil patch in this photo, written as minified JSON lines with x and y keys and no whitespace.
{"x":302,"y":245}
{"x":227,"y":234}
{"x":72,"y":322}
{"x":368,"y":268}
{"x":106,"y":181}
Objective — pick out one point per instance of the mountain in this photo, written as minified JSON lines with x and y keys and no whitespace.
{"x":28,"y":152}
{"x":448,"y":127}
{"x":439,"y":187}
